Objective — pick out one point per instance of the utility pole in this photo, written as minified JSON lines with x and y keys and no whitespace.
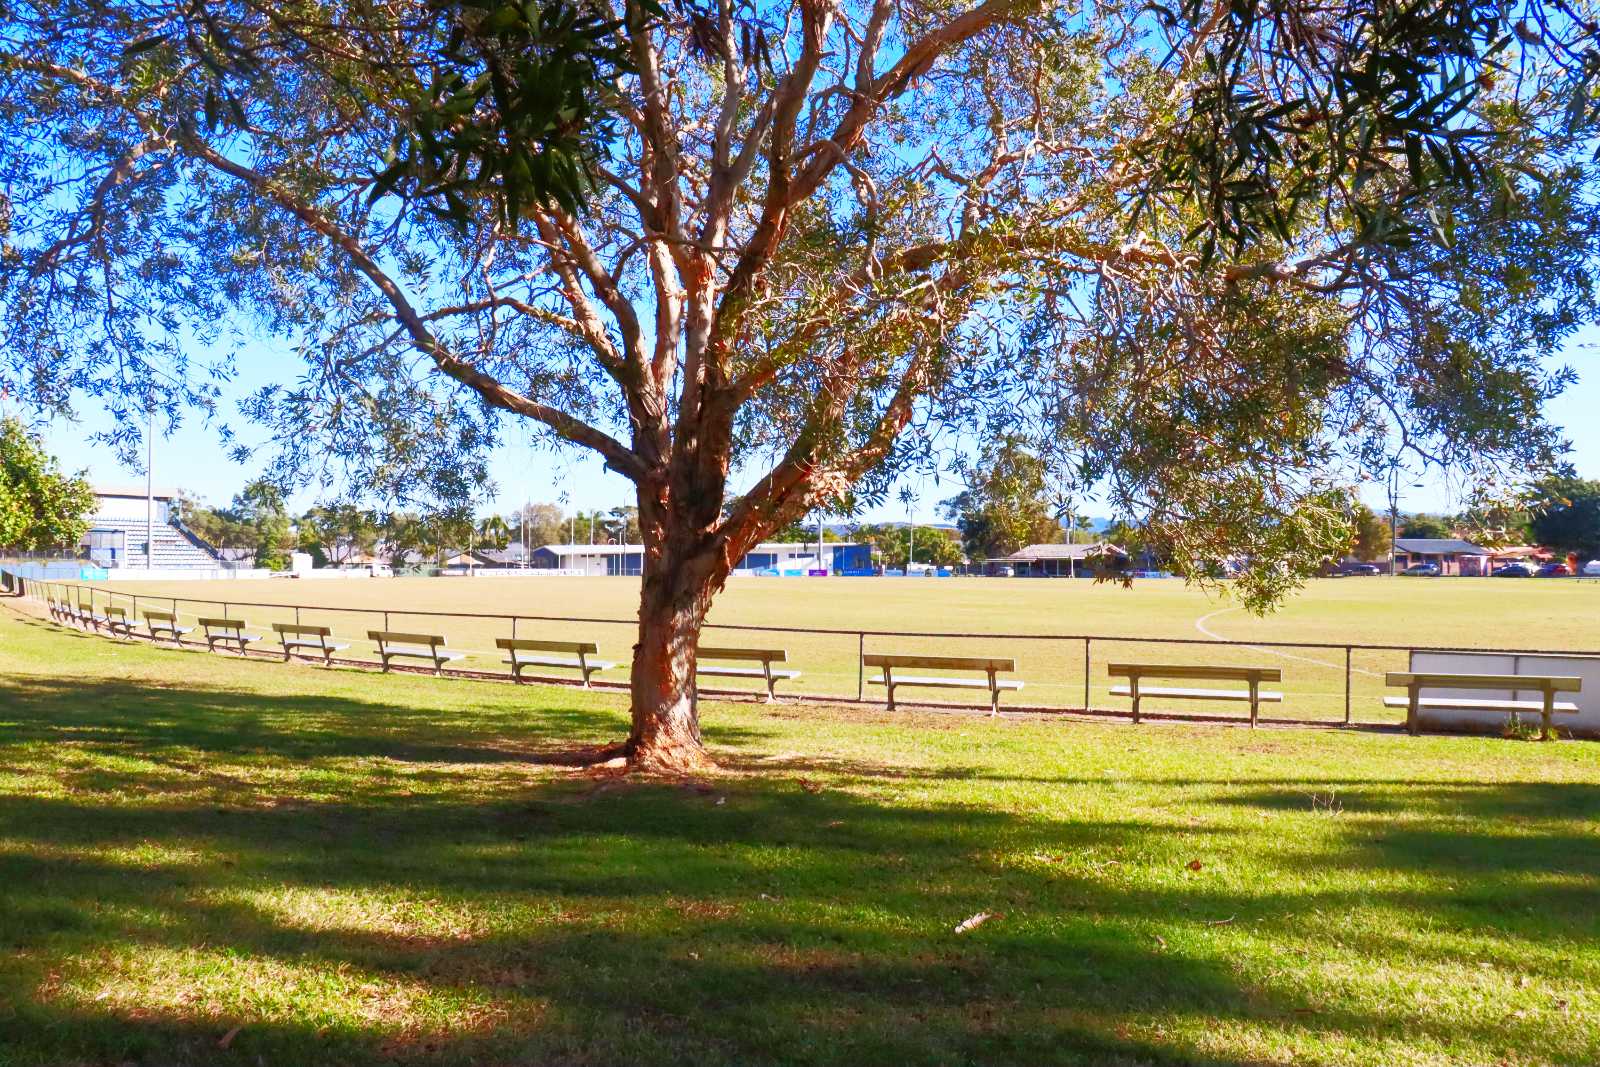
{"x":150,"y":491}
{"x":820,"y":565}
{"x":1394,"y":514}
{"x":911,"y":533}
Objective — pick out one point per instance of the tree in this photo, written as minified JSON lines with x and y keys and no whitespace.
{"x":40,"y":507}
{"x":891,"y":542}
{"x":1425,"y":526}
{"x":259,"y":506}
{"x":493,"y":532}
{"x":1214,"y":263}
{"x":1566,"y":516}
{"x":1005,"y":507}
{"x":343,"y":532}
{"x":217,"y":527}
{"x":545,"y":524}
{"x":1370,"y":538}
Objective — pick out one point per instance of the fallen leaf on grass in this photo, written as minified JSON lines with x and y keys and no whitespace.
{"x":1161,"y":941}
{"x":1220,"y":922}
{"x":1194,"y":865}
{"x":227,"y":1038}
{"x":972,"y":922}
{"x":809,"y":786}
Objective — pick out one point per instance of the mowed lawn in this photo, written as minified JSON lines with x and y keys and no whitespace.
{"x":208,"y":861}
{"x":1486,"y":613}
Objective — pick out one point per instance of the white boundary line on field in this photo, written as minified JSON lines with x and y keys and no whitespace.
{"x":1200,"y":624}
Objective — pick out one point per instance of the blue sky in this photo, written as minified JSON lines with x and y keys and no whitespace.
{"x":193,"y":459}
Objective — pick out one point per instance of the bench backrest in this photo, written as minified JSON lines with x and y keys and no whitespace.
{"x":949,"y":663}
{"x":295,"y":628}
{"x":1553,"y":683}
{"x":221,"y":624}
{"x":151,"y":615}
{"x":110,"y":611}
{"x":1179,"y":670}
{"x":765,"y":655}
{"x":386,"y":637}
{"x":521,"y":644}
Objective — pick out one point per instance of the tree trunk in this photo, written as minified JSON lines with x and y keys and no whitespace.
{"x":677,"y":587}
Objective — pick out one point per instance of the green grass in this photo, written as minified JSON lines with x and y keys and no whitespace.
{"x":354,"y":869}
{"x":1401,"y":611}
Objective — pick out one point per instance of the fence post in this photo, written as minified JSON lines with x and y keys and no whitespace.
{"x":1347,"y":650}
{"x":514,"y":637}
{"x":297,"y":614}
{"x":1086,"y":674}
{"x":135,"y":608}
{"x":861,"y":665}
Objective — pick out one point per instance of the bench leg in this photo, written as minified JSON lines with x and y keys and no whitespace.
{"x":772,"y":697}
{"x":1413,"y":724}
{"x":1255,"y":704}
{"x":1549,"y":711}
{"x":994,"y":697}
{"x":1133,"y":691}
{"x":889,"y":686}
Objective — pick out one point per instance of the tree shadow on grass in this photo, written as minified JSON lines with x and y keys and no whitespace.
{"x":542,"y":918}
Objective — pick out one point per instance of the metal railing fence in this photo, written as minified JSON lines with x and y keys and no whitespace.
{"x":1332,"y":682}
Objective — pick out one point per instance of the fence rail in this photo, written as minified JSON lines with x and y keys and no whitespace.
{"x":1336,"y":682}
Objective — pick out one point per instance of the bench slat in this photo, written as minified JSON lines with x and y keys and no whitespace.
{"x":1265,"y":695}
{"x":432,"y":652}
{"x":746,"y":672}
{"x":520,"y":644}
{"x":551,"y":661}
{"x":934,"y":681}
{"x":295,"y":628}
{"x":318,"y":645}
{"x":398,"y":638}
{"x":1468,"y":704}
{"x":767,"y":655}
{"x":1438,"y":680}
{"x":1180,"y":670}
{"x":949,"y":663}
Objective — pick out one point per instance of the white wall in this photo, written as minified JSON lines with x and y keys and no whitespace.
{"x":1584,"y":724}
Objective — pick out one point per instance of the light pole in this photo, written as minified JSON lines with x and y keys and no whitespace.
{"x":150,"y":491}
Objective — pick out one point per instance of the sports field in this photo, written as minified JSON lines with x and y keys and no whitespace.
{"x":212,"y":862}
{"x":1474,"y":613}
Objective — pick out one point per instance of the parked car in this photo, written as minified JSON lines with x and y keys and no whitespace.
{"x":1512,"y":570}
{"x":1592,"y":569}
{"x":1422,"y":570}
{"x":1362,"y":568}
{"x":1553,"y":570}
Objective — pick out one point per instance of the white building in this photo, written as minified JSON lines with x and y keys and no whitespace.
{"x":772,"y":557}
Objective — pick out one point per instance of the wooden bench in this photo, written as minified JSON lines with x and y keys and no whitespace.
{"x":1546,"y":685}
{"x":228,"y":633}
{"x":1251,"y":676}
{"x":577,"y":656}
{"x":165,"y":622}
{"x":294,"y":636}
{"x":765,"y":656}
{"x":990,"y":667}
{"x":430,"y":647}
{"x":118,"y":623}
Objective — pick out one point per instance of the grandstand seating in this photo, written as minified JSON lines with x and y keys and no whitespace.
{"x":175,"y":547}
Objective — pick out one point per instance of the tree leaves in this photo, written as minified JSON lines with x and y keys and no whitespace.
{"x":516,"y":111}
{"x":1297,"y":103}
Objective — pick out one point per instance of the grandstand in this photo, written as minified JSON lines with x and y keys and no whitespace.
{"x":117,"y":533}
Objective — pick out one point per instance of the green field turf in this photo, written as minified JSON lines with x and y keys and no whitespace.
{"x":208,"y":861}
{"x":1486,"y":613}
